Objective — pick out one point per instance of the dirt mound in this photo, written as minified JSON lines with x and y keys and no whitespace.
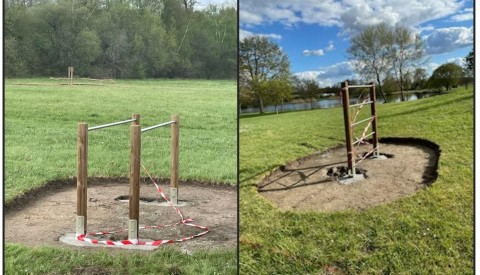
{"x":42,"y":215}
{"x":313,"y":183}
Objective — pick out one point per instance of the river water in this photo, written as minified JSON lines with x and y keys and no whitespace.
{"x":335,"y":102}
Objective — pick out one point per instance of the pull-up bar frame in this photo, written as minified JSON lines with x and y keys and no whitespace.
{"x":157,"y":126}
{"x":134,"y":200}
{"x":175,"y":136}
{"x":82,"y":173}
{"x":111,"y":124}
{"x":134,"y":179}
{"x":349,"y":125}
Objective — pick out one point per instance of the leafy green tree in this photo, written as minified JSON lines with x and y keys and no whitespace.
{"x":469,"y":68}
{"x":279,"y":91}
{"x":245,"y":97}
{"x":390,"y":85}
{"x":419,"y":79}
{"x":14,"y":63}
{"x":87,"y":50}
{"x":120,"y":39}
{"x":308,"y":89}
{"x":447,"y":75}
{"x":261,"y":60}
{"x":470,"y":63}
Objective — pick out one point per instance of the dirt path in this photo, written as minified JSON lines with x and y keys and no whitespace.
{"x":306,"y":184}
{"x":41,"y":217}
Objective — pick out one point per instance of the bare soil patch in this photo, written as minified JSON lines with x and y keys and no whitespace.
{"x":41,"y":216}
{"x":312,"y":183}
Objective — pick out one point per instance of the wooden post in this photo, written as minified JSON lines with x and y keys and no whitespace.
{"x":134,"y":199}
{"x":82,"y":146}
{"x":348,"y":129}
{"x":137,"y":119}
{"x":175,"y":135}
{"x":374,"y":121}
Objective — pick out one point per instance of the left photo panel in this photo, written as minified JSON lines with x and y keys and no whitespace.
{"x":120,"y":137}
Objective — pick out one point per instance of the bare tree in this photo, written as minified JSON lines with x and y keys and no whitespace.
{"x":370,"y":53}
{"x":379,"y":51}
{"x":407,"y":53}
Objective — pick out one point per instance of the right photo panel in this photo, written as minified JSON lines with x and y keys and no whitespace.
{"x":356,"y":137}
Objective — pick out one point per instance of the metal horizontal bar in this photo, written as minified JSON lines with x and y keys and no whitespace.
{"x":362,"y":121}
{"x":158,"y":125}
{"x":110,"y":124}
{"x":361,"y":86}
{"x":363,"y":103}
{"x":360,"y":140}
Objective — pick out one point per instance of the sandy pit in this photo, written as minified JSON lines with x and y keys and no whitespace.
{"x":315,"y":183}
{"x":42,"y":216}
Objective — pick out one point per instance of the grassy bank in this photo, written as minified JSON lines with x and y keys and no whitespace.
{"x":428,"y":233}
{"x":40,"y":145}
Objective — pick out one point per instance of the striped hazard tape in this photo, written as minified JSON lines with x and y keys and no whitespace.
{"x":183,"y":221}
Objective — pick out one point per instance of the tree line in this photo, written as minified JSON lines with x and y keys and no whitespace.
{"x":120,"y":39}
{"x":394,"y":57}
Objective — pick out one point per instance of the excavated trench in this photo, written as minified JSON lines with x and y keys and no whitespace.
{"x":317,"y":182}
{"x":43,"y":215}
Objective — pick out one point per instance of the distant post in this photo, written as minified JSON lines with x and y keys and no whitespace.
{"x":175,"y":136}
{"x":70,"y":75}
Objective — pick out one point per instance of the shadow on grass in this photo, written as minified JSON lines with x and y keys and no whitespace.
{"x":303,"y":178}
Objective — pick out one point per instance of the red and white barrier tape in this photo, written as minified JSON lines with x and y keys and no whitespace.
{"x":361,"y":106}
{"x":364,"y":133}
{"x":183,"y":221}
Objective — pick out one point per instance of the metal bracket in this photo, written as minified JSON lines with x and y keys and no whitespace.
{"x":80,"y":226}
{"x":174,"y":196}
{"x":132,"y":229}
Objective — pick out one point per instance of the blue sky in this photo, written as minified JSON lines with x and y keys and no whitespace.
{"x":315,"y":34}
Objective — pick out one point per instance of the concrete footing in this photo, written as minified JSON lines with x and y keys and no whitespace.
{"x":351,"y":179}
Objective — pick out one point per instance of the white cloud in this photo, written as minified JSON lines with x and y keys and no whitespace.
{"x":318,"y":52}
{"x":244,"y":33}
{"x":448,"y":39}
{"x":330,"y":46}
{"x":462,"y":17}
{"x":328,"y":76}
{"x":289,"y":12}
{"x":430,"y":67}
{"x":351,"y":15}
{"x":457,"y":60}
{"x":308,"y":74}
{"x":361,"y":14}
{"x":466,"y":15}
{"x":425,"y":28}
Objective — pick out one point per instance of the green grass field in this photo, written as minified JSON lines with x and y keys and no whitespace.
{"x":40,"y":146}
{"x":430,"y":232}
